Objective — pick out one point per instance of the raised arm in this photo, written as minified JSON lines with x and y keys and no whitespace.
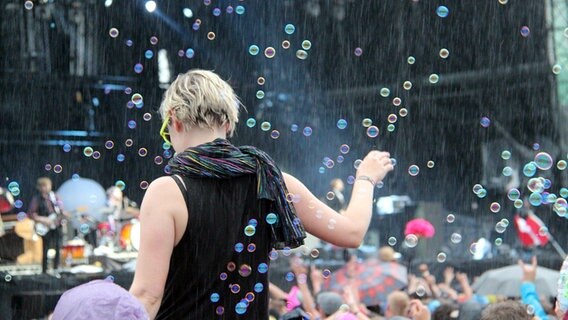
{"x":276,"y":292}
{"x":529,"y":295}
{"x":347,"y":230}
{"x":301,"y":273}
{"x":466,"y":287}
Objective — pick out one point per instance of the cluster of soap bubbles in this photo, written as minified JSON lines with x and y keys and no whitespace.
{"x":537,"y":186}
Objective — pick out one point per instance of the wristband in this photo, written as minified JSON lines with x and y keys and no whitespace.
{"x":366,"y":178}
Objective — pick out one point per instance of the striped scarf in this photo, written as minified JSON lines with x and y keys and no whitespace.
{"x":220,"y":159}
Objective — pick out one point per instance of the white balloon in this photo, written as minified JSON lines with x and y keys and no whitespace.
{"x":82,"y":196}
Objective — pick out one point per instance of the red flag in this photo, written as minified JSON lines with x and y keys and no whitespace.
{"x":530,"y":230}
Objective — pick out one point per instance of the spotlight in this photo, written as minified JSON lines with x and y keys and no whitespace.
{"x":164,"y":73}
{"x":151,"y":6}
{"x":187,"y":12}
{"x":108,"y":3}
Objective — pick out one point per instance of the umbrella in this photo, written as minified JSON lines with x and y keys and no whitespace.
{"x":374,"y":279}
{"x":507,"y":281}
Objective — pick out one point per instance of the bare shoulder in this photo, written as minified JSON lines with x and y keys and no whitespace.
{"x":162,"y":190}
{"x":162,"y":182}
{"x":162,"y":185}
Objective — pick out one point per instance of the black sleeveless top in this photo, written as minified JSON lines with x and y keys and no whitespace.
{"x":219,"y":268}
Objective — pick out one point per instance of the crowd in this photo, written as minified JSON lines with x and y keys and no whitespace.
{"x":423,"y":297}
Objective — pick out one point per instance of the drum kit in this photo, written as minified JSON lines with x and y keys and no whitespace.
{"x":104,"y":218}
{"x":117,"y":230}
{"x":120,"y":228}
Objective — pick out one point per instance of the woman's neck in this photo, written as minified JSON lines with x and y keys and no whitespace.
{"x":196,"y":136}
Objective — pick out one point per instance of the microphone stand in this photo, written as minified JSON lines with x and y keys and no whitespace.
{"x":555,"y":244}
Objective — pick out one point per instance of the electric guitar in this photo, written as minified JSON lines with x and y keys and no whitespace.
{"x":41,"y":229}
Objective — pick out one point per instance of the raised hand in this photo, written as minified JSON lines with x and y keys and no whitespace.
{"x":375,"y":165}
{"x":529,"y":271}
{"x":462,"y":277}
{"x":449,"y":275}
{"x":297,"y":266}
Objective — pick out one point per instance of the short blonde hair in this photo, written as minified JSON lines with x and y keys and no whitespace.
{"x":200,"y":98}
{"x":398,"y":303}
{"x":386,"y":254}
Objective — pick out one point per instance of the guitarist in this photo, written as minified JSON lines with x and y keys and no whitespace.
{"x":45,"y":208}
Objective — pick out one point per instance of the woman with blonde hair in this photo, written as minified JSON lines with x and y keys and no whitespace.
{"x":209,"y":230}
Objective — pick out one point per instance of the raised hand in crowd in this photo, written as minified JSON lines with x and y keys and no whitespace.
{"x":449,"y":275}
{"x":316,"y":277}
{"x":351,"y":298}
{"x":529,"y":270}
{"x":529,"y":294}
{"x":430,"y":280}
{"x":297,"y":266}
{"x":301,"y":272}
{"x":418,"y":311}
{"x":463,"y":280}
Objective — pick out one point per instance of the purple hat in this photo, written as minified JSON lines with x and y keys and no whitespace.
{"x":98,"y":299}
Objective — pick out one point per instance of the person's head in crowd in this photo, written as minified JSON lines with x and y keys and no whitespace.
{"x":296,"y":314}
{"x":387,"y":254}
{"x":351,"y":263}
{"x":470,"y":311}
{"x":328,"y":302}
{"x":397,"y":304}
{"x":349,"y":255}
{"x":337,"y":185}
{"x":44,"y":185}
{"x":507,"y":310}
{"x":446,"y":311}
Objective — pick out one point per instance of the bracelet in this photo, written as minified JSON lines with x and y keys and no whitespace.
{"x":366,"y":178}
